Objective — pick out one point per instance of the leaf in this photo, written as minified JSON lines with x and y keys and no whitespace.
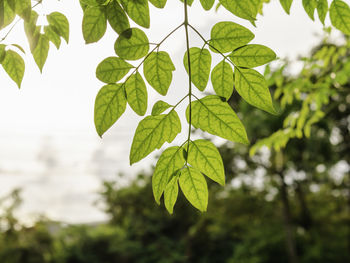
{"x":339,"y":13}
{"x":18,"y":47}
{"x":112,"y":69}
{"x":132,"y":44}
{"x":41,"y":51}
{"x":138,"y":11}
{"x":94,"y":24}
{"x":204,"y":156}
{"x":212,"y":115}
{"x":51,"y":34}
{"x":247,"y":9}
{"x":110,"y":104}
{"x":159,"y":107}
{"x":222,"y":79}
{"x":32,"y":30}
{"x":251,"y":56}
{"x":157,"y":69}
{"x":2,"y":13}
{"x":286,"y":4}
{"x":116,"y":17}
{"x":9,"y":15}
{"x":60,"y":24}
{"x":14,"y":66}
{"x":227,"y":36}
{"x":207,"y":4}
{"x":23,"y":9}
{"x":194,"y":187}
{"x":158,"y":3}
{"x":170,"y":161}
{"x":152,"y":132}
{"x":310,"y":6}
{"x":170,"y":194}
{"x":2,"y":52}
{"x":136,"y":93}
{"x":322,"y":9}
{"x":200,"y":66}
{"x":252,"y":87}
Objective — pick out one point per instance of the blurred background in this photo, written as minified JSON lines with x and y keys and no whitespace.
{"x":67,"y":195}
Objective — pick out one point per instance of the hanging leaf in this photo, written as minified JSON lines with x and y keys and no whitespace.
{"x":339,"y":13}
{"x":286,"y":4}
{"x":222,"y":79}
{"x":252,"y":56}
{"x":116,"y":17}
{"x":247,"y":9}
{"x":112,"y":69}
{"x":132,"y":44}
{"x":32,"y":31}
{"x":200,"y":66}
{"x":136,"y":93}
{"x":14,"y":66}
{"x":194,"y":187}
{"x":212,"y":115}
{"x":152,"y":132}
{"x":158,"y":69}
{"x":322,"y":9}
{"x":227,"y":36}
{"x":207,"y":4}
{"x":2,"y":52}
{"x":252,"y":87}
{"x":159,"y":107}
{"x":94,"y":24}
{"x":138,"y":11}
{"x":52,"y":36}
{"x":60,"y":24}
{"x":23,"y":9}
{"x":110,"y":104}
{"x":171,"y":193}
{"x":41,"y":51}
{"x":158,"y":3}
{"x":310,"y":6}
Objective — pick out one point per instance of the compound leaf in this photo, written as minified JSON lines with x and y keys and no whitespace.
{"x":159,"y":107}
{"x":136,"y":93}
{"x":14,"y":66}
{"x":116,"y":17}
{"x":339,"y":13}
{"x":170,"y":194}
{"x":60,"y":24}
{"x":132,"y":44}
{"x":112,"y":69}
{"x":251,"y":56}
{"x":138,"y":11}
{"x":222,"y":79}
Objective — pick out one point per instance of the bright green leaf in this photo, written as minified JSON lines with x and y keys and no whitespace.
{"x":8,"y":15}
{"x":112,"y":69}
{"x":94,"y":24}
{"x":252,"y":87}
{"x":41,"y":51}
{"x":207,"y":4}
{"x":14,"y":66}
{"x":158,"y":3}
{"x":51,"y":34}
{"x":23,"y":8}
{"x":286,"y":4}
{"x":157,"y":69}
{"x":227,"y":36}
{"x":110,"y":104}
{"x":310,"y":6}
{"x":200,"y":66}
{"x":170,"y":194}
{"x":222,"y":79}
{"x":251,"y":56}
{"x":203,"y":155}
{"x":116,"y":17}
{"x":18,"y":47}
{"x":2,"y":52}
{"x":247,"y":9}
{"x":339,"y":13}
{"x":170,"y":161}
{"x":132,"y":44}
{"x":152,"y":132}
{"x":322,"y":9}
{"x":212,"y":115}
{"x":159,"y":107}
{"x":60,"y":24}
{"x":136,"y":93}
{"x":194,"y":187}
{"x":138,"y":11}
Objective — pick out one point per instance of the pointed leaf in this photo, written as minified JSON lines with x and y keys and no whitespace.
{"x":14,"y":66}
{"x":94,"y":24}
{"x":194,"y":187}
{"x":310,"y":6}
{"x":339,"y":13}
{"x":204,"y":156}
{"x":157,"y":69}
{"x":23,"y":9}
{"x":252,"y":87}
{"x":207,"y":4}
{"x":132,"y":44}
{"x":247,"y":9}
{"x":51,"y":34}
{"x":170,"y":194}
{"x":152,"y":132}
{"x":200,"y":66}
{"x":159,"y":107}
{"x":170,"y":161}
{"x":41,"y":51}
{"x":212,"y":115}
{"x":8,"y":15}
{"x":116,"y":17}
{"x":60,"y":24}
{"x":32,"y":30}
{"x":286,"y":4}
{"x":222,"y":79}
{"x":112,"y":69}
{"x":322,"y":9}
{"x":138,"y":11}
{"x":2,"y":52}
{"x":227,"y":36}
{"x":136,"y":93}
{"x":110,"y":104}
{"x":158,"y":3}
{"x":251,"y":56}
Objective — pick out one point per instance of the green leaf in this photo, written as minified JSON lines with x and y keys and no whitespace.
{"x":310,"y":6}
{"x":247,"y":9}
{"x":286,"y":4}
{"x":8,"y":15}
{"x":18,"y":47}
{"x":339,"y":13}
{"x":170,"y":194}
{"x":227,"y":36}
{"x":116,"y":17}
{"x":60,"y":24}
{"x":41,"y":51}
{"x":204,"y":156}
{"x":212,"y":115}
{"x":1,"y":13}
{"x":322,"y":9}
{"x":200,"y":66}
{"x":170,"y":161}
{"x":136,"y":93}
{"x":32,"y":30}
{"x":194,"y":187}
{"x":51,"y":34}
{"x":2,"y":52}
{"x":138,"y":11}
{"x":94,"y":24}
{"x":222,"y":79}
{"x":152,"y":132}
{"x":207,"y":4}
{"x":23,"y":9}
{"x":112,"y":69}
{"x":158,"y":3}
{"x":110,"y":104}
{"x":132,"y":44}
{"x":159,"y":107}
{"x":14,"y":66}
{"x":252,"y":56}
{"x":252,"y":87}
{"x":157,"y":69}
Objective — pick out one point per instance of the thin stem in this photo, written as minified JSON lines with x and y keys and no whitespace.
{"x":177,"y":104}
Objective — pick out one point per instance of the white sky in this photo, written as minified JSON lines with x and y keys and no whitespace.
{"x":52,"y":114}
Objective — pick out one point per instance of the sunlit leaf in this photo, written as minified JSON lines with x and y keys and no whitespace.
{"x":52,"y":35}
{"x":170,"y":194}
{"x":310,"y":6}
{"x":159,"y":107}
{"x":247,"y":9}
{"x":251,"y":56}
{"x":8,"y":15}
{"x":132,"y":44}
{"x":138,"y":11}
{"x":41,"y":51}
{"x":322,"y":9}
{"x":94,"y":24}
{"x":14,"y":66}
{"x":339,"y":13}
{"x":2,"y":52}
{"x":136,"y":93}
{"x":158,"y":3}
{"x":23,"y":8}
{"x":116,"y":17}
{"x":32,"y":30}
{"x":222,"y":79}
{"x":112,"y":69}
{"x":286,"y":4}
{"x":60,"y":24}
{"x":207,"y":4}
